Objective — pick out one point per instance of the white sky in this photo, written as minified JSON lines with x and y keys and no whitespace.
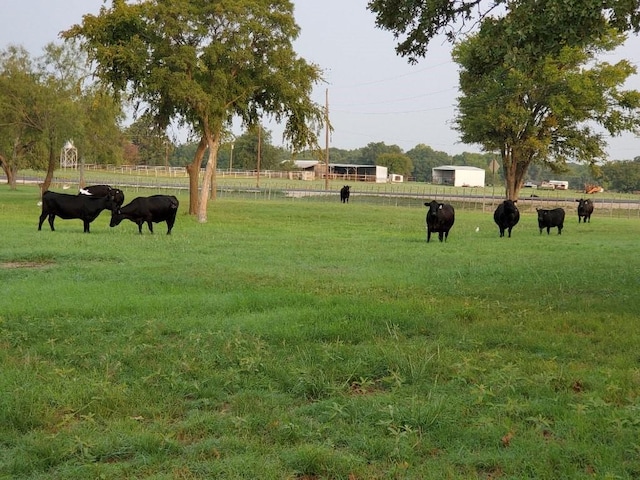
{"x":374,"y":95}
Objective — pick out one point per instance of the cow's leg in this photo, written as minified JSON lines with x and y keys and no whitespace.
{"x":170,"y":223}
{"x":440,"y":236}
{"x":428,"y":235}
{"x":52,"y":217}
{"x":86,"y":226}
{"x":140,"y":223}
{"x":150,"y":225}
{"x":42,"y":217}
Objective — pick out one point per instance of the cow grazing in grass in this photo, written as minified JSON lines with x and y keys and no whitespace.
{"x":153,"y":209}
{"x":585,"y":209}
{"x":440,"y":218}
{"x":344,"y":194}
{"x":103,"y":191}
{"x":84,"y":207}
{"x":550,"y":218}
{"x":506,"y":216}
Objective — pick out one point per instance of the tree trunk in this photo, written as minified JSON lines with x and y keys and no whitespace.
{"x":50,"y":169}
{"x":12,"y":176}
{"x":213,"y":141}
{"x":194,"y":174}
{"x":9,"y":172}
{"x":515,"y":169}
{"x":509,"y":172}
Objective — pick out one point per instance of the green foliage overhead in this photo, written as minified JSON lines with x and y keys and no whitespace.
{"x":544,"y":25}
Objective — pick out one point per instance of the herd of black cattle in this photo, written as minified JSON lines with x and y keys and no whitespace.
{"x":91,"y":201}
{"x":441,"y":216}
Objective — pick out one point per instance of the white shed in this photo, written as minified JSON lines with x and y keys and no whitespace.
{"x":458,"y":176}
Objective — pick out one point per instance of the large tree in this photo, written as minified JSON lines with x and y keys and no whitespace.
{"x":532,"y":87}
{"x":17,"y":86}
{"x":540,"y":108}
{"x":204,"y":63}
{"x":45,"y":102}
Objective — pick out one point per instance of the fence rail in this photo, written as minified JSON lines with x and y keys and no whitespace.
{"x":243,"y":184}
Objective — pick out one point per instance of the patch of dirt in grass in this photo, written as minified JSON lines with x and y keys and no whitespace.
{"x":10,"y":265}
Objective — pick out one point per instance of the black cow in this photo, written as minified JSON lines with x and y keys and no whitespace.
{"x":506,"y":216}
{"x":344,"y":194}
{"x":153,"y":209}
{"x":440,"y":218}
{"x":103,"y":191}
{"x":585,"y":209}
{"x":86,"y":208}
{"x":550,"y":218}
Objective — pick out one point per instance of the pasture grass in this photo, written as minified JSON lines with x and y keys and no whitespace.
{"x":307,"y":339}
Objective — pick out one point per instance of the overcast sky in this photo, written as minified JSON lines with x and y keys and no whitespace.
{"x":374,"y":95}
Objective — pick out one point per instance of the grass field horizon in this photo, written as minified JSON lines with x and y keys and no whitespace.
{"x":314,"y":340}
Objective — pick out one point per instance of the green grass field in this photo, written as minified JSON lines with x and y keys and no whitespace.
{"x":295,"y":339}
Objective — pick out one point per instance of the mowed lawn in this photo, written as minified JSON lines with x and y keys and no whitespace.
{"x":306,"y":339}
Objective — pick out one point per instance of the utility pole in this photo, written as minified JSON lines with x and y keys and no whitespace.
{"x":259,"y":155}
{"x":326,"y":141}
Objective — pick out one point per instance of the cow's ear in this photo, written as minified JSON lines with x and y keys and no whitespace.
{"x":515,"y":201}
{"x":440,"y":205}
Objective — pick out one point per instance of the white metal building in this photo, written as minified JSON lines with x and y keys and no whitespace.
{"x":458,"y":176}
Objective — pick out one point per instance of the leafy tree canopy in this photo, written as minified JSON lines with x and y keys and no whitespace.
{"x":622,"y":176}
{"x":204,"y":63}
{"x":46,"y":101}
{"x":398,"y":163}
{"x":547,"y":25}
{"x":540,"y":108}
{"x":369,"y":154}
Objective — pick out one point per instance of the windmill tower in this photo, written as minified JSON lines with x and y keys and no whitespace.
{"x":69,"y":156}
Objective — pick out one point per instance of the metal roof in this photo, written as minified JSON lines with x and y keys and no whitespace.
{"x":458,"y":167}
{"x":312,"y":163}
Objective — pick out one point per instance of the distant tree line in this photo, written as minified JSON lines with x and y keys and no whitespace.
{"x":54,"y":87}
{"x":415,"y":164}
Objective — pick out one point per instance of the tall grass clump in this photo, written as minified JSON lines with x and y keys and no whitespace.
{"x":297,"y":338}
